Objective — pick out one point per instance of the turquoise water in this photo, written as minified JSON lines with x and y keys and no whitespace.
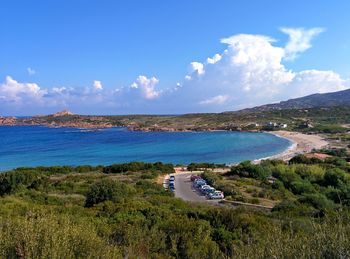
{"x":35,"y":146}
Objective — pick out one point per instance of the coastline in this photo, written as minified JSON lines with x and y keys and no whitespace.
{"x":301,"y":143}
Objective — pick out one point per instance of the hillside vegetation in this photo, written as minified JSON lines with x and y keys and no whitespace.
{"x":324,"y":120}
{"x":119,"y":211}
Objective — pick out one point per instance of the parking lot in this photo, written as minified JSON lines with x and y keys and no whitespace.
{"x":185,"y":190}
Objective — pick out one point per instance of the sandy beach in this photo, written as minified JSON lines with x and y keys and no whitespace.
{"x":302,"y":143}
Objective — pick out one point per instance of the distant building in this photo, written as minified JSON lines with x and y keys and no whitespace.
{"x":274,"y":125}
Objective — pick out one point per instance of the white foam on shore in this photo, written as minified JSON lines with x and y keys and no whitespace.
{"x":289,"y":151}
{"x":293,"y":145}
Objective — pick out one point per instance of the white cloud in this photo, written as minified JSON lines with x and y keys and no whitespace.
{"x":214,"y":59}
{"x":31,"y":71}
{"x":12,"y":91}
{"x":59,"y":90}
{"x":249,"y":72}
{"x":146,"y":87}
{"x":314,"y":81}
{"x":299,"y":40}
{"x":97,"y":85}
{"x":219,"y":99}
{"x":197,"y":67}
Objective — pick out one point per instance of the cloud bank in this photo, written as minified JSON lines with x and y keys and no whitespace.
{"x":250,"y":71}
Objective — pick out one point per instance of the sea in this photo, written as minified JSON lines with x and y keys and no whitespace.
{"x":29,"y":146}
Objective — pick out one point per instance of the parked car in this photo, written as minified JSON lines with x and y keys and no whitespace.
{"x":217,"y":195}
{"x":208,"y":190}
{"x":200,"y":183}
{"x":204,"y":187}
{"x":194,"y":177}
{"x":198,"y":179}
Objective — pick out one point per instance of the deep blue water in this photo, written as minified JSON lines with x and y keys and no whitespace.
{"x":35,"y":146}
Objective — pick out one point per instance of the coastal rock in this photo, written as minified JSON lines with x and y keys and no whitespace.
{"x":8,"y":121}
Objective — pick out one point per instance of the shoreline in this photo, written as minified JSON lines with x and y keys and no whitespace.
{"x":300,"y":144}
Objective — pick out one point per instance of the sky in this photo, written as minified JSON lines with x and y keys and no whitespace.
{"x":168,"y":57}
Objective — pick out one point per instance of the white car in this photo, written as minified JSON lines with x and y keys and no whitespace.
{"x":217,"y":195}
{"x":203,"y":187}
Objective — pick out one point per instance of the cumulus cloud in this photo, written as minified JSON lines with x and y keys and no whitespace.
{"x":299,"y":40}
{"x":314,"y":81}
{"x":12,"y":91}
{"x":146,"y":87}
{"x":196,"y":68}
{"x":250,"y":71}
{"x":214,"y":59}
{"x":97,"y":85}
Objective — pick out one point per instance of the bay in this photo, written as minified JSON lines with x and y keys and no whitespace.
{"x":42,"y":146}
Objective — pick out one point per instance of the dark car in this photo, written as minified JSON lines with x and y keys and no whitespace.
{"x":194,"y":177}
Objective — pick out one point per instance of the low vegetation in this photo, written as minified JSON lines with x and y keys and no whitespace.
{"x":120,"y":211}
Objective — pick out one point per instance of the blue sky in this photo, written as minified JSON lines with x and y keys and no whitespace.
{"x":101,"y":56}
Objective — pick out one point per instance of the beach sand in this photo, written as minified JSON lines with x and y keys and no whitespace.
{"x":301,"y":143}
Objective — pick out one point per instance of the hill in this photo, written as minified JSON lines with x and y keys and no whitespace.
{"x":341,"y":98}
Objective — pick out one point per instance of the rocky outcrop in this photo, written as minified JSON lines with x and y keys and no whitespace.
{"x":80,"y":124}
{"x":8,"y":121}
{"x":62,"y":113}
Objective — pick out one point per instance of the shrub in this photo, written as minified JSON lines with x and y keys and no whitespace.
{"x":106,"y":190}
{"x":334,"y":177}
{"x":318,"y":201}
{"x":211,"y":178}
{"x":299,"y":187}
{"x":246,"y":169}
{"x":139,"y":167}
{"x":301,"y":159}
{"x":11,"y":181}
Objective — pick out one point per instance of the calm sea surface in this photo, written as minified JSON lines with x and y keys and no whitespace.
{"x":35,"y":145}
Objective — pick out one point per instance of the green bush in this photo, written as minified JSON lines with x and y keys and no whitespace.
{"x":246,"y":169}
{"x":318,"y":201}
{"x":211,"y":177}
{"x":107,"y":190}
{"x":300,"y":187}
{"x":139,"y":167}
{"x":334,"y":177}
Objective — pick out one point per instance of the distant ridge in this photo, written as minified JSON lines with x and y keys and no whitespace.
{"x":340,"y":98}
